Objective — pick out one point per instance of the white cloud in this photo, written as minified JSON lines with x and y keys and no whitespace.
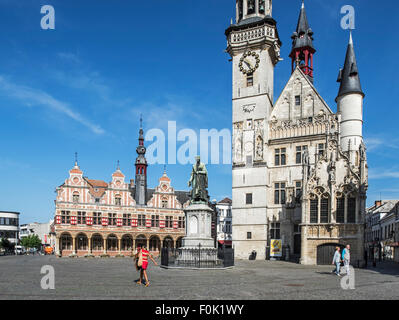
{"x":382,"y":174}
{"x":30,"y":97}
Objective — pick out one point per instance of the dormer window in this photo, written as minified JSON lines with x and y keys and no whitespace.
{"x":75,"y":197}
{"x":164,"y":203}
{"x":118,"y":201}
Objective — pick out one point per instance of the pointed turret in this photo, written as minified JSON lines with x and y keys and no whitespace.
{"x":350,"y":105}
{"x":302,"y":45}
{"x":349,"y":76}
{"x":141,"y":170}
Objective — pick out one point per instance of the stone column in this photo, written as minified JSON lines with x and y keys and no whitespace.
{"x":119,"y":245}
{"x":57,"y":245}
{"x":244,"y":8}
{"x":105,"y":246}
{"x":73,"y":244}
{"x":89,"y":243}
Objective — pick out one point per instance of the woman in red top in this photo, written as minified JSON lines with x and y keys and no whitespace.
{"x":143,"y":270}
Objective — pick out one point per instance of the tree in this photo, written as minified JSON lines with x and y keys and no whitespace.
{"x":31,"y":241}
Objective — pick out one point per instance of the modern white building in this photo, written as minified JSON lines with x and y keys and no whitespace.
{"x":224,"y":222}
{"x":299,"y":171}
{"x":9,"y":226}
{"x":42,"y":230}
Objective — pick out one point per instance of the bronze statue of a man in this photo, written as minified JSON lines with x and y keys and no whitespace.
{"x":199,"y":182}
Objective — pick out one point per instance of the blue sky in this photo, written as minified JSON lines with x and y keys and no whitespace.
{"x":82,"y":86}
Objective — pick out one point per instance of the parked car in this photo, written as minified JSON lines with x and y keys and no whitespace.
{"x":2,"y":252}
{"x":20,"y":250}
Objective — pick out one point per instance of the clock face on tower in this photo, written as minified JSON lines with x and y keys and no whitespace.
{"x":249,"y":62}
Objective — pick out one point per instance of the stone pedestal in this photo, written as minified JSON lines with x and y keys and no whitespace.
{"x":198,"y":227}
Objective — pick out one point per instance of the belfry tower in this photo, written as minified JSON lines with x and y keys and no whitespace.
{"x":253,"y":44}
{"x":302,"y":45}
{"x":141,"y":170}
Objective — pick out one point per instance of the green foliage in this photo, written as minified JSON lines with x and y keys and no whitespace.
{"x":5,"y":243}
{"x":31,"y":241}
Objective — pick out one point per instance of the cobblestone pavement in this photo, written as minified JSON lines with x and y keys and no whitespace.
{"x":114,"y":278}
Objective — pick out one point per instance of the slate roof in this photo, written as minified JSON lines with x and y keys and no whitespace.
{"x":349,"y":76}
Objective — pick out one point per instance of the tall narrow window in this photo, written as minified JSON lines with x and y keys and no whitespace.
{"x":97,"y":218}
{"x":299,"y":154}
{"x":118,"y":201}
{"x":240,"y":9}
{"x":341,"y":210}
{"x":141,"y":220}
{"x":155,"y":221}
{"x":324,"y":210}
{"x":280,"y":157}
{"x":251,"y":6}
{"x":168,"y":222}
{"x":248,"y":198}
{"x":112,"y":219}
{"x":314,"y":209}
{"x":279,"y":193}
{"x":275,"y":230}
{"x":351,"y":218}
{"x":81,"y":217}
{"x":321,"y":149}
{"x":65,"y":218}
{"x":297,"y":100}
{"x":126,"y":219}
{"x":262,"y":6}
{"x":250,"y":79}
{"x":298,"y":191}
{"x":181,"y":223}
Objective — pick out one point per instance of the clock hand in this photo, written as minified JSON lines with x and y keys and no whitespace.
{"x":248,"y":64}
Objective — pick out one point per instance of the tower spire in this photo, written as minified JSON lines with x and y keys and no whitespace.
{"x":141,"y":169}
{"x":302,"y":45}
{"x":348,"y":77}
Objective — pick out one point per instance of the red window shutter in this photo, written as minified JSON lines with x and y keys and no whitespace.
{"x":148,"y":223}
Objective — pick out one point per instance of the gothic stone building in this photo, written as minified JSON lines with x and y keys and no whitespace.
{"x":96,"y":218}
{"x":299,"y":168}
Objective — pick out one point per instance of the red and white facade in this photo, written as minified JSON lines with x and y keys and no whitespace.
{"x":93,"y":217}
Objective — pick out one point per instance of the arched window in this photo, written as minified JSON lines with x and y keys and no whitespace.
{"x":112,"y":243}
{"x":164,"y":203}
{"x":75,"y":197}
{"x":118,"y":200}
{"x":97,"y":242}
{"x":82,"y":242}
{"x":240,"y":9}
{"x":262,"y":8}
{"x":66,"y":242}
{"x":251,"y":7}
{"x":319,"y":207}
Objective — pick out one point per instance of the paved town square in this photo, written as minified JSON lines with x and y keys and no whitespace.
{"x":114,"y":278}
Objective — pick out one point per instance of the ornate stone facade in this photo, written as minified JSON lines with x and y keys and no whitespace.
{"x":299,"y":169}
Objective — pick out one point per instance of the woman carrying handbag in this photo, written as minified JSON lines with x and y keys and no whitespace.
{"x":142,"y":264}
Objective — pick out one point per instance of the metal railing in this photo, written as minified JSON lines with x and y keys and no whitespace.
{"x":197,"y":257}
